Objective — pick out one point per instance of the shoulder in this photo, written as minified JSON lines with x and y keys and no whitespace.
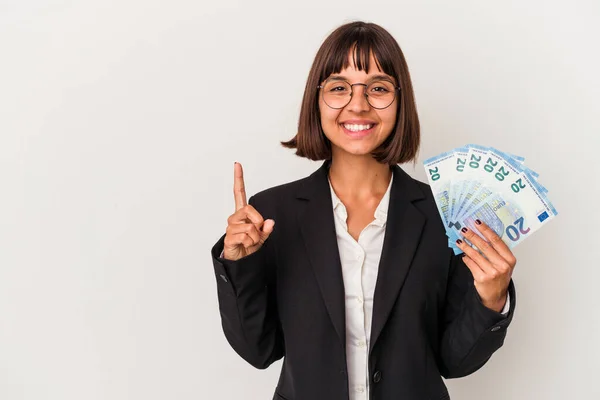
{"x":434,"y":229}
{"x":428,"y":200}
{"x":423,"y":187}
{"x":275,"y":194}
{"x":425,"y":202}
{"x":428,"y":196}
{"x":279,"y":197}
{"x":422,"y":191}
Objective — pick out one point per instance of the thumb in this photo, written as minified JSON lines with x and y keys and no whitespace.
{"x":267,"y":228}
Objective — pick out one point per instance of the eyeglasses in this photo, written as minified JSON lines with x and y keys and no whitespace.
{"x":380,"y":94}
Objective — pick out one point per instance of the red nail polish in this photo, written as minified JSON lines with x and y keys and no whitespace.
{"x":464,"y":230}
{"x":459,"y":241}
{"x":478,"y":222}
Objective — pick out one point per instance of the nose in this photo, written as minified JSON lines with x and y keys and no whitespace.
{"x":358,"y":101}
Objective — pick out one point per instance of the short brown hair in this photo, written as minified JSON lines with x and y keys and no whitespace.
{"x":363,"y":38}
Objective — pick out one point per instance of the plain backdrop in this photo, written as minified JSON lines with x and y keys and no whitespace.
{"x":119,"y":125}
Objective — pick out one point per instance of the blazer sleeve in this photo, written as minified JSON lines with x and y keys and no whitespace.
{"x":246,"y":296}
{"x":471,"y":332}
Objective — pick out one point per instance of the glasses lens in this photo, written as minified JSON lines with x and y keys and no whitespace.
{"x":380,"y":94}
{"x":336,"y":93}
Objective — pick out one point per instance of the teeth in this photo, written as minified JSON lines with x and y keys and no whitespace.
{"x":356,"y":128}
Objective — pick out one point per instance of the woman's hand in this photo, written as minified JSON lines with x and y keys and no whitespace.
{"x":493,"y":272}
{"x":246,"y":230}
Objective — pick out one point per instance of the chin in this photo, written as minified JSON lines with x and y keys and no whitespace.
{"x":360,"y":150}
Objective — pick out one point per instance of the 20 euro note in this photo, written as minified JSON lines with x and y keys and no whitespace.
{"x":513,"y":214}
{"x":470,"y":182}
{"x":440,"y":170}
{"x":485,"y":164}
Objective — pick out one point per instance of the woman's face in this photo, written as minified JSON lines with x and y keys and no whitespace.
{"x":357,"y":112}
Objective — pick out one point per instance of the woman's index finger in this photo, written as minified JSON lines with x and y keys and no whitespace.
{"x":239,"y":190}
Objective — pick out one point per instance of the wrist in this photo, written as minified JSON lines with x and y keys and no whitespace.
{"x":497,"y":304}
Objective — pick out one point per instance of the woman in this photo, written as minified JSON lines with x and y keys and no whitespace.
{"x":356,"y":288}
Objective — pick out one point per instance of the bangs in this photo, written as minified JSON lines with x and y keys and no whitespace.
{"x":361,"y":43}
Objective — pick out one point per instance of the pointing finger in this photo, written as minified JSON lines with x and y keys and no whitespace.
{"x":239,"y":190}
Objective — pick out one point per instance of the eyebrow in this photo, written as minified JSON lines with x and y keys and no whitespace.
{"x":372,"y":78}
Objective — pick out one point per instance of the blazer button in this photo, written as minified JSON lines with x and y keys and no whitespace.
{"x":377,"y":376}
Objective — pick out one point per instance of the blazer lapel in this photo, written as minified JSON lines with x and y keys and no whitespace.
{"x":403,"y":230}
{"x":315,"y":218}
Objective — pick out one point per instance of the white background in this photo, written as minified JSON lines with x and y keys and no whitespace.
{"x":119,"y":125}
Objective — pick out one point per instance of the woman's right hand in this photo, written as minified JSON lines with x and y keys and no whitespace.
{"x":246,"y":230}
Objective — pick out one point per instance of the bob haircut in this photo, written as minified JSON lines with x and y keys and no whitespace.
{"x":363,"y":39}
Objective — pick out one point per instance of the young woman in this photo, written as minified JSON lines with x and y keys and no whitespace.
{"x":346,"y":274}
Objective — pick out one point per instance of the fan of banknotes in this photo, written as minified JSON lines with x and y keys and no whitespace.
{"x":478,"y":182}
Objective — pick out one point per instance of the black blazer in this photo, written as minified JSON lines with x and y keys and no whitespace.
{"x":287,"y":299}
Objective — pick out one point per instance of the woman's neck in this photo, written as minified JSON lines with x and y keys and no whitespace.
{"x":360,"y":178}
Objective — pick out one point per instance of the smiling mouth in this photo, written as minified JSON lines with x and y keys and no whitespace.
{"x":358,"y":127}
{"x":358,"y":131}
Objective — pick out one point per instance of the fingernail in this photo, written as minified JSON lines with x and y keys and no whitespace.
{"x":463,"y":255}
{"x":458,"y":241}
{"x":464,"y":230}
{"x":478,"y":222}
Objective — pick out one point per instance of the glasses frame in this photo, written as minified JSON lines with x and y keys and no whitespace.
{"x":396,"y":89}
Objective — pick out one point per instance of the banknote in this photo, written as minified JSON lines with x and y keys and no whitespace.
{"x":479,"y":182}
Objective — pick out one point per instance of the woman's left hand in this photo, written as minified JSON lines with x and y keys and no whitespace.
{"x":493,"y":272}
